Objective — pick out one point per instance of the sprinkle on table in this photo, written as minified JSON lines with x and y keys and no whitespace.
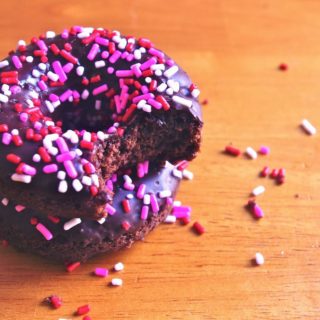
{"x":308,"y":127}
{"x":259,"y":259}
{"x":82,"y":310}
{"x":258,"y":190}
{"x":73,"y":266}
{"x":283,"y":67}
{"x":118,"y":266}
{"x":198,"y":228}
{"x":251,"y":153}
{"x":232,"y":151}
{"x":101,"y":272}
{"x":116,"y":282}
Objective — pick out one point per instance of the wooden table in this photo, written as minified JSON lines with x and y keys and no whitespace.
{"x":232,"y":50}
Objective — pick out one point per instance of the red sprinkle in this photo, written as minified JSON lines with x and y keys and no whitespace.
{"x":55,"y":302}
{"x":126,"y":225}
{"x":265,"y":171}
{"x":83,"y":310}
{"x":73,"y":266}
{"x":198,"y":228}
{"x":274,"y":173}
{"x":86,"y":145}
{"x":283,"y":67}
{"x":13,"y":158}
{"x":86,"y":318}
{"x":232,"y":151}
{"x":3,"y":128}
{"x":185,"y":220}
{"x":126,"y":206}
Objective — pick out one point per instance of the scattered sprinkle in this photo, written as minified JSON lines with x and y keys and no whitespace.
{"x":308,"y":127}
{"x":259,"y":259}
{"x":118,"y":266}
{"x":73,"y":266}
{"x":116,"y":282}
{"x":258,"y":190}
{"x":251,"y":153}
{"x":198,"y":228}
{"x":101,"y":272}
{"x":82,"y":310}
{"x":232,"y":151}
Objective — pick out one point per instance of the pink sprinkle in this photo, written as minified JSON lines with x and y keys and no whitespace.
{"x":44,"y":231}
{"x":16,"y":61}
{"x":124,"y":55}
{"x":104,"y":54}
{"x":109,"y":185}
{"x":62,"y":145}
{"x":155,"y":104}
{"x":110,"y":70}
{"x":257,"y":211}
{"x":110,"y":209}
{"x":170,"y":62}
{"x":19,"y":208}
{"x":56,"y":65}
{"x":141,"y":191}
{"x":146,"y":65}
{"x":93,"y":51}
{"x":65,"y":34}
{"x":146,"y":167}
{"x":50,"y":168}
{"x":71,"y":170}
{"x":144,"y":212}
{"x":42,"y":85}
{"x":124,"y":73}
{"x":66,"y":156}
{"x":136,"y":70}
{"x":144,"y":89}
{"x":128,"y":186}
{"x":41,"y":44}
{"x":101,"y":272}
{"x":23,"y":117}
{"x":140,"y":170}
{"x":66,"y":95}
{"x":76,"y":94}
{"x":142,"y":97}
{"x":102,"y":41}
{"x":156,"y":53}
{"x":181,"y":212}
{"x":115,"y":56}
{"x":100,"y":89}
{"x":6,"y":138}
{"x":154,"y":203}
{"x":29,"y":170}
{"x":130,"y":57}
{"x":264,"y":150}
{"x":68,"y":67}
{"x":53,"y":97}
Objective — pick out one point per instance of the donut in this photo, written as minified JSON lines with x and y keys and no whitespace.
{"x":135,"y":214}
{"x":79,"y":106}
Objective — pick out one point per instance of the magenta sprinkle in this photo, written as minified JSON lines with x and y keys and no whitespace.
{"x":101,"y":272}
{"x":144,"y":89}
{"x":56,"y":65}
{"x":44,"y":231}
{"x":66,"y":156}
{"x":29,"y":170}
{"x":144,"y":212}
{"x":128,"y":186}
{"x":6,"y":138}
{"x":156,"y":53}
{"x":264,"y":150}
{"x":110,"y":209}
{"x":50,"y":168}
{"x":71,"y":170}
{"x":141,"y":191}
{"x":66,"y":95}
{"x":140,"y":170}
{"x":93,"y":51}
{"x":42,"y":85}
{"x":146,"y":65}
{"x":23,"y":117}
{"x":62,"y":145}
{"x":146,"y":167}
{"x":53,"y":97}
{"x":142,"y":97}
{"x":115,"y":56}
{"x":68,"y":67}
{"x":124,"y":73}
{"x":100,"y":89}
{"x":16,"y":61}
{"x":181,"y":212}
{"x":154,"y":203}
{"x":257,"y":211}
{"x":42,"y":45}
{"x":136,"y":70}
{"x":102,"y":41}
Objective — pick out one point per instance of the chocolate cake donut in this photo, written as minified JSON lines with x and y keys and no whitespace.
{"x":133,"y":215}
{"x":77,"y":107}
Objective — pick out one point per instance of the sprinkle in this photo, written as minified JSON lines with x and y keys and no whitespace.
{"x":73,"y":266}
{"x":110,"y":209}
{"x":71,"y":223}
{"x":182,"y":101}
{"x":144,"y":212}
{"x":257,"y":211}
{"x":171,"y":71}
{"x":61,"y":175}
{"x":251,"y":153}
{"x":283,"y":67}
{"x":21,"y":178}
{"x":126,"y":205}
{"x":5,"y":201}
{"x":55,"y":301}
{"x":265,"y":171}
{"x":99,"y":64}
{"x":141,"y":191}
{"x":71,"y":170}
{"x":308,"y":127}
{"x":258,"y":190}
{"x":101,"y":272}
{"x":126,"y":225}
{"x":13,"y":158}
{"x":198,"y":228}
{"x":177,"y":173}
{"x":44,"y":231}
{"x":116,"y":282}
{"x":165,"y":194}
{"x":115,"y":56}
{"x":118,"y":266}
{"x":63,"y":186}
{"x":124,"y":73}
{"x":3,"y":98}
{"x":170,"y":219}
{"x":154,"y":203}
{"x":232,"y":151}
{"x":146,"y":199}
{"x":56,"y":65}
{"x":264,"y":150}
{"x":181,"y":211}
{"x":4,"y":63}
{"x":100,"y":89}
{"x":77,"y":185}
{"x":16,"y":61}
{"x":259,"y":259}
{"x":274,"y":173}
{"x":93,"y":52}
{"x":19,"y":208}
{"x":82,"y":310}
{"x":188,"y":175}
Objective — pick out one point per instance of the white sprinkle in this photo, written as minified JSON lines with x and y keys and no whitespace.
{"x":5,"y":87}
{"x":129,"y":196}
{"x":36,"y":73}
{"x":88,"y":29}
{"x":21,"y":178}
{"x":4,"y":63}
{"x":177,"y":173}
{"x":3,"y":98}
{"x":258,"y":190}
{"x":56,"y":103}
{"x":183,"y":101}
{"x":49,"y":106}
{"x":86,"y":136}
{"x":147,"y":108}
{"x":143,"y":50}
{"x":29,"y":59}
{"x":116,"y":282}
{"x":122,"y":44}
{"x":259,"y":258}
{"x":5,"y":201}
{"x":195,"y":93}
{"x":77,"y":185}
{"x":63,"y":186}
{"x":53,"y":151}
{"x":137,"y":54}
{"x":147,"y":79}
{"x":100,"y":64}
{"x":101,"y":135}
{"x":146,"y":199}
{"x":36,"y":157}
{"x":34,"y":94}
{"x":102,"y":220}
{"x":159,"y":66}
{"x":15,"y":132}
{"x":174,"y":85}
{"x":177,"y":203}
{"x":21,"y":43}
{"x":187,"y":174}
{"x":171,"y":71}
{"x":80,"y":71}
{"x":251,"y":153}
{"x":71,"y":223}
{"x":83,"y":35}
{"x":49,"y":123}
{"x":165,"y":194}
{"x":86,"y":181}
{"x":158,"y":73}
{"x":52,"y":76}
{"x":97,"y":105}
{"x":118,"y":266}
{"x":7,"y":93}
{"x":42,"y":66}
{"x":308,"y":127}
{"x":141,"y":104}
{"x":170,"y":219}
{"x":169,"y":91}
{"x":162,"y":87}
{"x":116,"y":38}
{"x":127,"y":178}
{"x":50,"y":34}
{"x":95,"y":180}
{"x":61,"y":175}
{"x":85,"y":94}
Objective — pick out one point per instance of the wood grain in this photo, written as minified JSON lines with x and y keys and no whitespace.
{"x":231,"y":49}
